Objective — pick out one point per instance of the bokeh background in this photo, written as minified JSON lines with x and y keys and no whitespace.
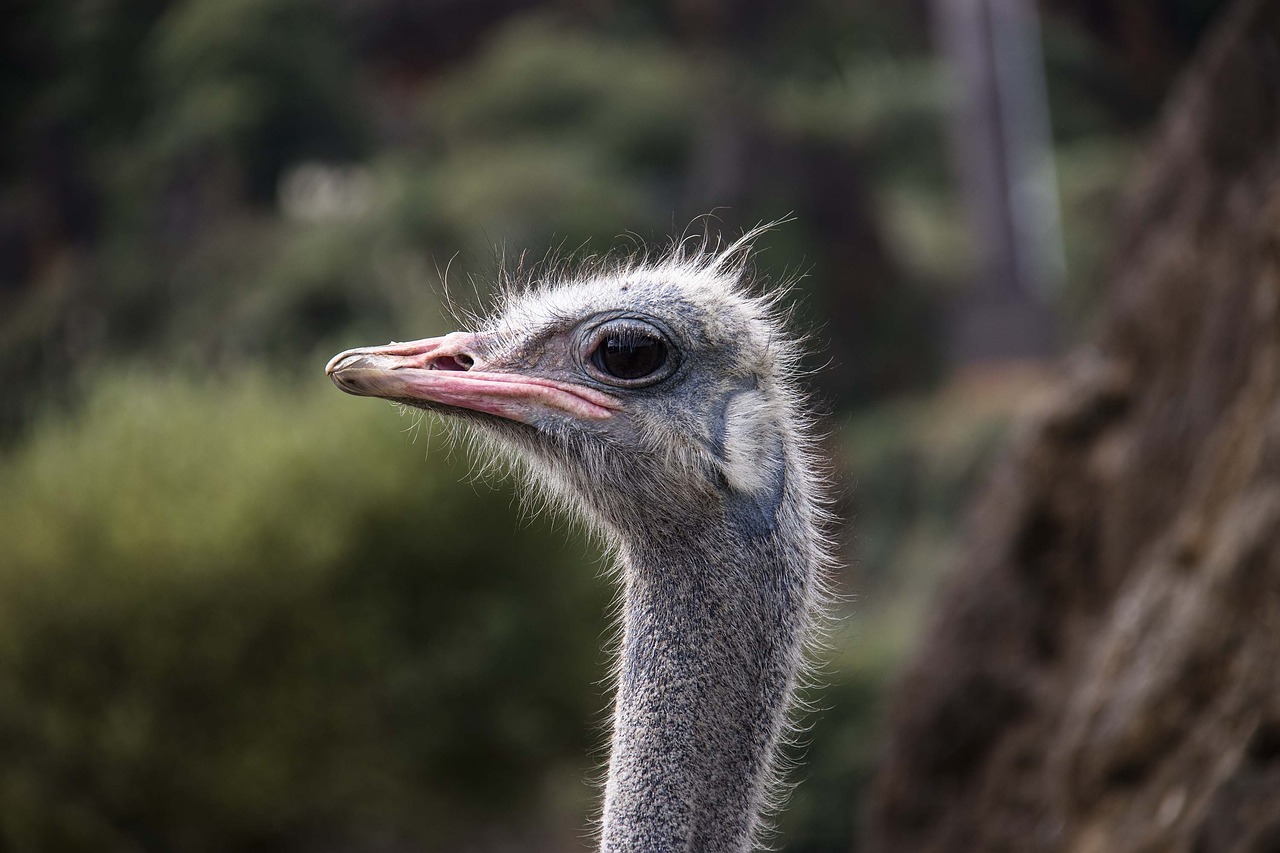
{"x":239,"y":610}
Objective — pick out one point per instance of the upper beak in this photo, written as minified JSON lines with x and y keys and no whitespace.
{"x":450,"y":371}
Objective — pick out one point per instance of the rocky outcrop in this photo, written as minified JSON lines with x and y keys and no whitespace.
{"x":1103,"y":671}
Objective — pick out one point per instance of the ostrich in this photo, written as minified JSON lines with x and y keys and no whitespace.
{"x":657,"y":400}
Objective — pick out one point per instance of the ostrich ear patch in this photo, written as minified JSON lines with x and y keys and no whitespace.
{"x":754,"y":462}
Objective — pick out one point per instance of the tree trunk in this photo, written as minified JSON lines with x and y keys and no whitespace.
{"x":1103,"y":672}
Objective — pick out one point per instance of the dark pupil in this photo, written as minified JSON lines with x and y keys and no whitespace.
{"x":630,"y":356}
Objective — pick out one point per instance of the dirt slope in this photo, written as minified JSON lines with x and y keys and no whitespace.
{"x":1103,"y":672}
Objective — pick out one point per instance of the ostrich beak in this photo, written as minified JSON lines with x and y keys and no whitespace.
{"x":448,"y":371}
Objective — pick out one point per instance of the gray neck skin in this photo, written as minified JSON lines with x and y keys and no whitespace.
{"x":711,"y":642}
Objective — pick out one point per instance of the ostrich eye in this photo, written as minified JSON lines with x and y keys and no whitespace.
{"x":630,"y":356}
{"x":629,"y":353}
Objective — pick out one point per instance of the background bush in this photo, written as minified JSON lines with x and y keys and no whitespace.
{"x":237,"y":616}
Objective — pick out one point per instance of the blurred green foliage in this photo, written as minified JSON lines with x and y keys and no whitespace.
{"x":239,"y":616}
{"x":265,"y":83}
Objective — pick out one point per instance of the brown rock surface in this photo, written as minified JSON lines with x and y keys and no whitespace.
{"x":1103,"y":672}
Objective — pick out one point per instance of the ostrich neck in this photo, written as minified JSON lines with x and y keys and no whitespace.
{"x":711,"y":642}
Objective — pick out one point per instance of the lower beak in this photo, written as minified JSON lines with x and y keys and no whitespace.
{"x":450,"y":372}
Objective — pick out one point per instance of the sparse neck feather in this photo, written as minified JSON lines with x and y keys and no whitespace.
{"x":712,"y":640}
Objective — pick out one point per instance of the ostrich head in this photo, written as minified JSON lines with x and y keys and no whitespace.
{"x":658,"y":401}
{"x":642,"y":396}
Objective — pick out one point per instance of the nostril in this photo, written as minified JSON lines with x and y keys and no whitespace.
{"x":461,"y":361}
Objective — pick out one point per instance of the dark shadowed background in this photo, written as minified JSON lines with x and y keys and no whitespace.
{"x":241,"y":611}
